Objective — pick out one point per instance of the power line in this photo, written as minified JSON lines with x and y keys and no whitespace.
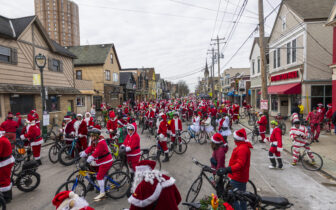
{"x":214,"y":28}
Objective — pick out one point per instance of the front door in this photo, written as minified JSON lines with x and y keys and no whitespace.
{"x":70,"y":106}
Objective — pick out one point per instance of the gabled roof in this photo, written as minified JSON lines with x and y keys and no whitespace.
{"x":92,"y":55}
{"x":125,"y":77}
{"x":310,"y":10}
{"x":256,"y":41}
{"x":13,"y":28}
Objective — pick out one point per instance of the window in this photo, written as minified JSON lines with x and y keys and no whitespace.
{"x":321,"y":94}
{"x":294,"y":51}
{"x":108,"y":75}
{"x":55,"y":65}
{"x":80,"y":101}
{"x":259,"y":65}
{"x":253,"y":70}
{"x":115,"y":77}
{"x":111,"y":58}
{"x":53,"y":103}
{"x":21,"y":103}
{"x":278,"y":57}
{"x":8,"y":55}
{"x":258,"y":98}
{"x":79,"y":74}
{"x":274,"y":59}
{"x":288,"y":53}
{"x":274,"y":103}
{"x":283,"y":23}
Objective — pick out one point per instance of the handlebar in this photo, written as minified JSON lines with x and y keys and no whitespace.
{"x":204,"y":167}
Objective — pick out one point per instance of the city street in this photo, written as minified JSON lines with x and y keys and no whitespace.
{"x":305,"y":189}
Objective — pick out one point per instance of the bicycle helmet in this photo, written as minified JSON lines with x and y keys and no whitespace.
{"x":273,"y":122}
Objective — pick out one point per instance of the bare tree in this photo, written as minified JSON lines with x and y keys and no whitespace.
{"x":182,"y":88}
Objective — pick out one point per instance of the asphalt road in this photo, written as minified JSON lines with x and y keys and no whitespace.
{"x":305,"y":189}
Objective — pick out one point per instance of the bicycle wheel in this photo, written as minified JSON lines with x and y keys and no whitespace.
{"x":201,"y":138}
{"x":283,"y":128}
{"x":119,"y":165}
{"x":52,"y":136}
{"x":250,"y":187}
{"x":153,"y":151}
{"x":74,"y":185}
{"x":53,"y":153}
{"x":28,"y":181}
{"x":157,"y":160}
{"x":186,"y":135}
{"x":242,"y":115}
{"x":73,"y":175}
{"x":308,"y":164}
{"x":250,"y":121}
{"x":117,"y":184}
{"x":254,"y":139}
{"x":66,"y":157}
{"x":181,"y":147}
{"x":194,"y":190}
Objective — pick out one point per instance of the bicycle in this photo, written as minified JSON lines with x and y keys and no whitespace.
{"x":203,"y":135}
{"x":244,"y":113}
{"x":281,"y":123}
{"x":55,"y":149}
{"x":252,"y":119}
{"x":157,"y":150}
{"x":190,"y":134}
{"x":254,"y":135}
{"x":69,"y":154}
{"x":179,"y":146}
{"x":116,"y":182}
{"x":307,"y":162}
{"x":145,"y":155}
{"x":221,"y":185}
{"x":51,"y":133}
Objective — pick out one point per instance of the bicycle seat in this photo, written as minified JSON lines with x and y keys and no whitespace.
{"x":145,"y":151}
{"x":194,"y":205}
{"x":275,"y":201}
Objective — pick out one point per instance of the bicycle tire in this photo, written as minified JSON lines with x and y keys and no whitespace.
{"x":186,"y":136}
{"x":254,"y":139}
{"x":318,"y":162}
{"x":242,"y":115}
{"x":25,"y":179}
{"x":250,"y":122}
{"x":119,"y":165}
{"x":2,"y":203}
{"x":52,"y":136}
{"x":201,"y":138}
{"x":53,"y":153}
{"x":72,"y":175}
{"x":184,"y":146}
{"x":198,"y":183}
{"x":120,"y":178}
{"x":153,"y":151}
{"x":69,"y":186}
{"x":66,"y":151}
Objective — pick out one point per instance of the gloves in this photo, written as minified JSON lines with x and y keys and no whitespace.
{"x":279,"y":149}
{"x":224,"y":171}
{"x":110,"y":130}
{"x":22,"y":137}
{"x":128,"y":149}
{"x":93,"y":163}
{"x":72,"y":133}
{"x":82,"y":154}
{"x":90,"y":159}
{"x":161,"y":136}
{"x":122,"y":146}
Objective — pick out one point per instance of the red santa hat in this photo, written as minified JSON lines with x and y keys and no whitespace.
{"x":329,"y":105}
{"x":10,"y":114}
{"x":30,"y":119}
{"x":240,"y":135}
{"x":145,"y":165}
{"x":67,"y":117}
{"x":70,"y":200}
{"x":112,"y":115}
{"x":119,"y":106}
{"x":319,"y":104}
{"x":17,"y":114}
{"x":217,"y":138}
{"x":199,"y":113}
{"x":98,"y":127}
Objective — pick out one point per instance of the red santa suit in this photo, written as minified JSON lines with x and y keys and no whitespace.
{"x":276,"y":147}
{"x":321,"y":111}
{"x":34,"y":116}
{"x":175,"y":125}
{"x":6,"y":163}
{"x":132,"y":145}
{"x":33,"y":134}
{"x":81,"y":131}
{"x":10,"y":126}
{"x":162,"y":133}
{"x":314,"y":120}
{"x":112,"y":124}
{"x":153,"y":190}
{"x":235,"y":110}
{"x":262,"y":127}
{"x":68,"y":130}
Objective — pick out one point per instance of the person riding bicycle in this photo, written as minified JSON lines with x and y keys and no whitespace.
{"x":152,"y":189}
{"x":81,"y":132}
{"x":206,"y":123}
{"x":219,"y":147}
{"x":68,"y":130}
{"x":6,"y":164}
{"x":239,"y":165}
{"x":314,"y":120}
{"x":98,"y":155}
{"x":196,"y":122}
{"x":276,"y":145}
{"x":262,"y":126}
{"x":88,"y":119}
{"x":298,"y":134}
{"x":175,"y":127}
{"x":162,"y":136}
{"x":224,"y":126}
{"x":132,"y":146}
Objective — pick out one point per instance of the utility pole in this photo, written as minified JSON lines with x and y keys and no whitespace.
{"x":218,"y":65}
{"x":263,"y":58}
{"x":212,"y":70}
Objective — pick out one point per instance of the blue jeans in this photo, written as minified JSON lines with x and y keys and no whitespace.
{"x":239,"y":205}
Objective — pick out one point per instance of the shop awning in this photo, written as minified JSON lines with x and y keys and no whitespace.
{"x":293,"y":88}
{"x":249,"y":92}
{"x":231,"y":93}
{"x":87,"y":92}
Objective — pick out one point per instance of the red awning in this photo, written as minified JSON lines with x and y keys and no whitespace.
{"x":293,"y":88}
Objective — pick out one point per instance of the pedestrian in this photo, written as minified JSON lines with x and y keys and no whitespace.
{"x":99,"y":155}
{"x":6,"y":164}
{"x":162,"y":136}
{"x":20,"y":123}
{"x":152,"y":189}
{"x":276,"y":145}
{"x":295,"y":109}
{"x":301,"y":108}
{"x":10,"y":126}
{"x":219,"y":147}
{"x":328,"y":116}
{"x":314,"y":119}
{"x":262,"y":126}
{"x":333,"y":119}
{"x":239,"y":165}
{"x":175,"y":127}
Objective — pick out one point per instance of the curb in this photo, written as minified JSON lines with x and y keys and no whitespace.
{"x":326,"y":174}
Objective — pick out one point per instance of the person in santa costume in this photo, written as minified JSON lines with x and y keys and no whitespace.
{"x":153,"y":189}
{"x":196,"y":122}
{"x":131,"y":145}
{"x":275,"y":150}
{"x":99,"y":155}
{"x":235,"y":111}
{"x":10,"y":126}
{"x":219,"y":147}
{"x":239,"y":165}
{"x":175,"y":127}
{"x":68,"y":200}
{"x":6,"y":164}
{"x":81,"y":131}
{"x":33,"y":134}
{"x":328,"y":117}
{"x":321,"y":111}
{"x":68,"y":130}
{"x":112,"y":124}
{"x":224,"y":126}
{"x":314,"y":119}
{"x":262,"y":126}
{"x":33,"y":114}
{"x":88,"y":119}
{"x":162,"y":136}
{"x":206,"y":124}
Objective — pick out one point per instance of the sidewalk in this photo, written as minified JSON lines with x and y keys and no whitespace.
{"x":326,"y":148}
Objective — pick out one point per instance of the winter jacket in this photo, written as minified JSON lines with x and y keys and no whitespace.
{"x":175,"y":124}
{"x":276,"y":138}
{"x":9,"y":126}
{"x":132,"y":145}
{"x":313,"y":118}
{"x":34,"y":135}
{"x":100,"y":152}
{"x":219,"y":156}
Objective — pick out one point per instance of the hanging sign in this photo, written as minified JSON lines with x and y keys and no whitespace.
{"x":285,"y":76}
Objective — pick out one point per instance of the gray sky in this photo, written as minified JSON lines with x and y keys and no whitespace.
{"x":171,"y":35}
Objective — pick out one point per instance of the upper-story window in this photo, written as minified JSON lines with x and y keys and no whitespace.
{"x":283,"y":20}
{"x":274,"y":59}
{"x":79,"y":74}
{"x":289,"y":49}
{"x":294,"y":50}
{"x":278,"y":57}
{"x":8,"y":55}
{"x":253,"y":68}
{"x":111,"y":56}
{"x":108,"y":75}
{"x":258,"y":64}
{"x":55,"y":65}
{"x":115,"y":77}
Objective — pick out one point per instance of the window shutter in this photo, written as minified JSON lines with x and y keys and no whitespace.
{"x":61,"y":66}
{"x":14,"y":57}
{"x":50,"y":64}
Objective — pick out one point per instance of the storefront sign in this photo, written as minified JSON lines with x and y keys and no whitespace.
{"x":285,"y":76}
{"x":264,"y":104}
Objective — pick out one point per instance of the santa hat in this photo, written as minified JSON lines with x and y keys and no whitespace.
{"x":130,"y":127}
{"x":119,"y":106}
{"x":2,"y":131}
{"x":70,"y":200}
{"x":79,"y":115}
{"x":98,"y":127}
{"x":145,"y":165}
{"x":329,"y":105}
{"x":30,"y":119}
{"x":295,"y":118}
{"x":319,"y":104}
{"x":199,"y":113}
{"x":217,"y":138}
{"x":62,"y":197}
{"x":10,"y":114}
{"x":240,"y":135}
{"x":112,"y":115}
{"x":18,"y":113}
{"x":67,"y":117}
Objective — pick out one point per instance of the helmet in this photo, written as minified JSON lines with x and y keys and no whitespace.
{"x":273,"y":122}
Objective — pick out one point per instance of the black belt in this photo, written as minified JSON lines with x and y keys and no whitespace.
{"x":38,"y":137}
{"x":102,"y":156}
{"x":5,"y":158}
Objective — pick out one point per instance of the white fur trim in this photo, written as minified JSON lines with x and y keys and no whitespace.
{"x":238,"y":138}
{"x":5,"y":189}
{"x":131,"y":155}
{"x":279,"y":149}
{"x":7,"y":162}
{"x":215,"y":141}
{"x":36,"y":143}
{"x":168,"y":182}
{"x":143,"y":168}
{"x":108,"y":161}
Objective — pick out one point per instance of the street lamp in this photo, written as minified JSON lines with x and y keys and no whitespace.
{"x":40,"y":61}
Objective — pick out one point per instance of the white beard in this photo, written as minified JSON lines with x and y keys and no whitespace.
{"x":148,"y":176}
{"x":79,"y":203}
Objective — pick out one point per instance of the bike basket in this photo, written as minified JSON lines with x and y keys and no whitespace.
{"x":21,"y":151}
{"x":31,"y":164}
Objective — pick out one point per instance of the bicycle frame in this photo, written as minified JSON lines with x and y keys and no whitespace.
{"x":85,"y":175}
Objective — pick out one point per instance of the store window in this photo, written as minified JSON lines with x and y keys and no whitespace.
{"x":321,"y":94}
{"x":53,"y":103}
{"x":80,"y":101}
{"x":274,"y":103}
{"x":21,"y":103}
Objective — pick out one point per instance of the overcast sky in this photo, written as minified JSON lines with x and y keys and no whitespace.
{"x":171,"y":35}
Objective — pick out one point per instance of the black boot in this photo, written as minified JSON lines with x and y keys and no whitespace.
{"x":7,"y":196}
{"x":166,"y":159}
{"x":39,"y":162}
{"x":273,"y":163}
{"x":280,"y":163}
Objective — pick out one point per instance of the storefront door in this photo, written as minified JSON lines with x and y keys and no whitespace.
{"x":284,"y":105}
